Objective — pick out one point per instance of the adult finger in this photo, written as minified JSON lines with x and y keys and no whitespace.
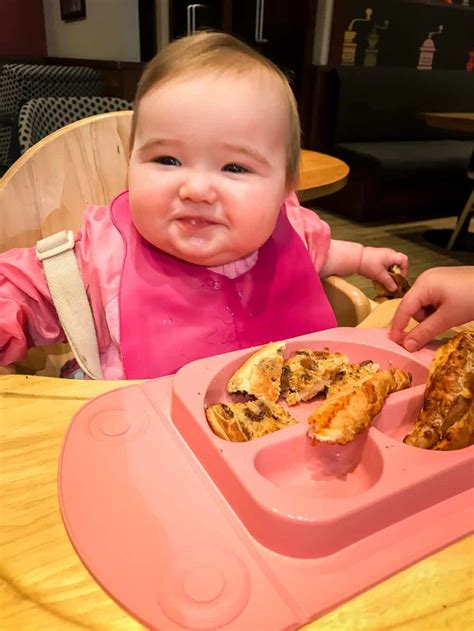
{"x":411,"y":303}
{"x":423,"y":313}
{"x":426,"y":330}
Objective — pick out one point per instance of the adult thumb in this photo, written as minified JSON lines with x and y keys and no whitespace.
{"x":425,"y":331}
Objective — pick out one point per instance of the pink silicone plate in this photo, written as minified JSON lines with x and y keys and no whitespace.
{"x":188,"y":531}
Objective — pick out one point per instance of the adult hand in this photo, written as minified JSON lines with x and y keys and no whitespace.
{"x":441,"y":297}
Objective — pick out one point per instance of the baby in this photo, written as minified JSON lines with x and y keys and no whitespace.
{"x":208,"y":251}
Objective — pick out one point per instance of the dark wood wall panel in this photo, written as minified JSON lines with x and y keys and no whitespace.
{"x":22,"y":29}
{"x":400,"y":42}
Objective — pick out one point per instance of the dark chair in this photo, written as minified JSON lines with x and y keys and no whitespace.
{"x":21,"y":82}
{"x":40,"y":117}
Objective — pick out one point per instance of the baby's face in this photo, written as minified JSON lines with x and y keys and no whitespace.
{"x":208,"y":166}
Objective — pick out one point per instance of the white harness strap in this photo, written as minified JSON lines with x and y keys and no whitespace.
{"x":70,"y":299}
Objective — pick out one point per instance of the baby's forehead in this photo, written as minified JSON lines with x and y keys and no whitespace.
{"x":257,"y":91}
{"x":262,"y":80}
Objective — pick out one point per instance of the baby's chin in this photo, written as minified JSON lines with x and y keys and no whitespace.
{"x":208,"y":260}
{"x":203,"y":252}
{"x":206,"y":257}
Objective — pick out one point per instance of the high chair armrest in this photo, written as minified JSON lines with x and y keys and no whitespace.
{"x":349,"y":303}
{"x":381,"y":315}
{"x":8,"y":370}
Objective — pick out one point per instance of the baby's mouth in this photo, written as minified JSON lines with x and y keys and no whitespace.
{"x":196,"y":222}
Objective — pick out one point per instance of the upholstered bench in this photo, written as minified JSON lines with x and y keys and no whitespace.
{"x":40,"y":117}
{"x":21,"y":82}
{"x":400,"y":166}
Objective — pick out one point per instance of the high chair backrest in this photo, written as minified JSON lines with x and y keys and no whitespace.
{"x":84,"y":163}
{"x":49,"y":187}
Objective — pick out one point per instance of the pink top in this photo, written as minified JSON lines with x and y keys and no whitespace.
{"x":27,"y":314}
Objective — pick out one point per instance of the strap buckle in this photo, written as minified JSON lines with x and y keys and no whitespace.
{"x":55,"y":244}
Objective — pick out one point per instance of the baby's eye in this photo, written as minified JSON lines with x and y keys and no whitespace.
{"x":235,"y":168}
{"x":168,"y":161}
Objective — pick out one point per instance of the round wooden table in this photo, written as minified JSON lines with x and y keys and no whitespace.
{"x":320,"y":175}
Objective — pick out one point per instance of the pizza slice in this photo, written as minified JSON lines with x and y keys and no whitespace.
{"x":339,"y":420}
{"x":351,"y":377}
{"x":240,"y":422}
{"x":260,"y":375}
{"x":446,"y":419}
{"x":460,"y":434}
{"x":308,"y":373}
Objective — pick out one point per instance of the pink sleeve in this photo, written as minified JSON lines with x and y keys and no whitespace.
{"x":315,"y":232}
{"x":27,"y":314}
{"x":100,"y":252}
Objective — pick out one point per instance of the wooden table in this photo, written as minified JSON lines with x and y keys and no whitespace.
{"x":462,"y":122}
{"x":320,"y":175}
{"x":46,"y":587}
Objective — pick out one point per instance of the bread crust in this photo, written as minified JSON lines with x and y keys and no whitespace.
{"x":308,"y":373}
{"x":340,"y":419}
{"x":353,"y":376}
{"x":446,"y":419}
{"x":240,"y":422}
{"x":260,"y":375}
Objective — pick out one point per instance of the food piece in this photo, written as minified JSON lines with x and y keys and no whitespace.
{"x":339,"y":420}
{"x":382,"y":293}
{"x":307,"y":373}
{"x":351,"y":377}
{"x":460,"y":434}
{"x":260,"y":374}
{"x":240,"y":422}
{"x":446,"y":419}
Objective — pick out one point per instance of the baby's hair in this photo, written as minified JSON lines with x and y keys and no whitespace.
{"x":219,"y":52}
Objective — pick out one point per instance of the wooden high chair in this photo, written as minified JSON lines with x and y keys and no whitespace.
{"x":48,"y":188}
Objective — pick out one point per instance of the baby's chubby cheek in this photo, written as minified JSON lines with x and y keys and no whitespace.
{"x":258,"y":229}
{"x":146,"y":220}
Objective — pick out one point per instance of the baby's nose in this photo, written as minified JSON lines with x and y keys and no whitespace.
{"x":198,"y":188}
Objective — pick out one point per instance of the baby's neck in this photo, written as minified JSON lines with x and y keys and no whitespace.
{"x":236,"y":268}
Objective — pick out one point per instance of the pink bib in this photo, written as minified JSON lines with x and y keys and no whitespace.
{"x":173,"y":312}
